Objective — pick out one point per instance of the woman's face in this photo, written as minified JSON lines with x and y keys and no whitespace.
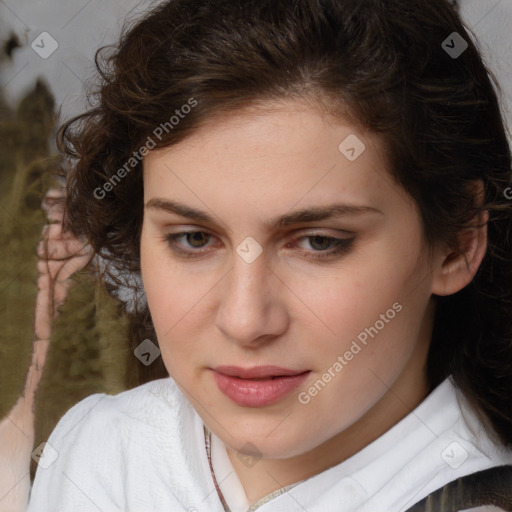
{"x":286,"y":329}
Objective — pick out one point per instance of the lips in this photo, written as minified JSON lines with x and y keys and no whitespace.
{"x":258,"y":386}
{"x":256,"y":372}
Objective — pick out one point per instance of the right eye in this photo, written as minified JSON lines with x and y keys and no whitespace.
{"x":193,"y":238}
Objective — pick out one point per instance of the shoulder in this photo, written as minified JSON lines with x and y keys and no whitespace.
{"x":476,"y":429}
{"x":144,"y":403}
{"x":130,"y":431}
{"x":464,"y":446}
{"x":102,"y":424}
{"x":109,"y":423}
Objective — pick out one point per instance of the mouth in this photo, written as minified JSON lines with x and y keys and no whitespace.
{"x":258,"y":386}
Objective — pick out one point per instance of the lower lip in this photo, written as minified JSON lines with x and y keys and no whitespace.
{"x":258,"y":393}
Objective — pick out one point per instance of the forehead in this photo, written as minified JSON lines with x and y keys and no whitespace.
{"x":277,"y":157}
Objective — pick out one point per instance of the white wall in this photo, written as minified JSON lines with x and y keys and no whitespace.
{"x":78,"y":26}
{"x":81,"y":26}
{"x":491,"y":20}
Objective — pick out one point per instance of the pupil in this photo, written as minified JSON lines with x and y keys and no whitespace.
{"x":196,"y":237}
{"x":317,"y":237}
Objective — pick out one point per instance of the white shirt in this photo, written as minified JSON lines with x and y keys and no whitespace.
{"x":144,"y":451}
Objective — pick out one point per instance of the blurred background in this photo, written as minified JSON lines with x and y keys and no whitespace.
{"x":46,"y":62}
{"x":46,"y":57}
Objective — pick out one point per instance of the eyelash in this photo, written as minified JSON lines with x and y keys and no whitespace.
{"x":341,"y":245}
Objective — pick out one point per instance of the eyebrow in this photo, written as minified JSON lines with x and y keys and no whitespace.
{"x":312,"y":214}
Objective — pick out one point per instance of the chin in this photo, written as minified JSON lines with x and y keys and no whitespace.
{"x":269,"y":446}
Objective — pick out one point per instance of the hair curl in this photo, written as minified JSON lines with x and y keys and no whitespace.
{"x":379,"y":61}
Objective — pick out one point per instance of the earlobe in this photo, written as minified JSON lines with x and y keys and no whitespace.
{"x":458,"y":267}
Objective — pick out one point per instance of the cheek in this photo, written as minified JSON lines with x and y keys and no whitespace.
{"x":173,"y":305}
{"x":176,"y":299}
{"x":168,"y":292}
{"x":160,"y":288}
{"x":371,"y":317}
{"x":341,"y":307}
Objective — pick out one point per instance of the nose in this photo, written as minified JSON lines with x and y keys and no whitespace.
{"x":252,"y":311}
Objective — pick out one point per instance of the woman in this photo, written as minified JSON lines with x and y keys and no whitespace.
{"x":230,"y":139}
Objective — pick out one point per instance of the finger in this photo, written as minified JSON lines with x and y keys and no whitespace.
{"x":52,"y":272}
{"x":61,"y":282}
{"x":48,"y":269}
{"x":55,"y":232}
{"x":51,"y":232}
{"x":53,"y":204}
{"x":62,"y":249}
{"x":60,"y":292}
{"x":72,"y":266}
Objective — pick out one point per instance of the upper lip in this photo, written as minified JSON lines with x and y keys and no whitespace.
{"x":256,"y":372}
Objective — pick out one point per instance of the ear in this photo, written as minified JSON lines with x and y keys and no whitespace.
{"x":458,"y":266}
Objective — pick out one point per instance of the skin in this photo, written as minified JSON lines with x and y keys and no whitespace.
{"x":286,"y":308}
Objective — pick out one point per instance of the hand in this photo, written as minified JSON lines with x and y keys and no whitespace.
{"x":61,"y":254}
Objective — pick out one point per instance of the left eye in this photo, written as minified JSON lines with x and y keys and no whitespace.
{"x":326,"y":245}
{"x":329,"y":245}
{"x":318,"y":239}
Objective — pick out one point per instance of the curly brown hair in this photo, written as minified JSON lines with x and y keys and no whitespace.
{"x":382,"y":62}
